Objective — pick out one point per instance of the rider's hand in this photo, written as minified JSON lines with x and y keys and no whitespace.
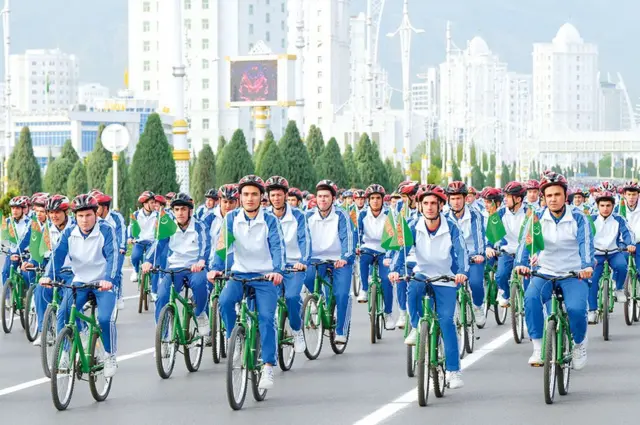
{"x":631,"y":249}
{"x":460,"y":278}
{"x":357,"y":251}
{"x":585,"y":273}
{"x":15,"y":257}
{"x":197,"y":267}
{"x":146,"y":267}
{"x":129,"y":241}
{"x":26,"y":266}
{"x":491,"y":252}
{"x":386,"y":262}
{"x":211,"y":276}
{"x":45,"y":281}
{"x":123,"y":251}
{"x":299,"y":267}
{"x":523,"y":270}
{"x":105,"y":285}
{"x":394,"y":277}
{"x":477,"y":259}
{"x":276,"y":278}
{"x":534,"y":260}
{"x":340,"y":263}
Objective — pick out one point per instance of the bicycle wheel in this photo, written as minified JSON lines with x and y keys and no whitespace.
{"x":312,"y":327}
{"x":337,"y":348}
{"x":143,"y":293}
{"x":564,"y":369}
{"x":380,"y":313}
{"x":605,"y":309}
{"x":8,"y":307}
{"x":470,"y":329}
{"x":217,"y":333}
{"x":517,"y":316}
{"x":550,"y":356}
{"x":500,"y":313}
{"x":237,"y":373}
{"x":49,"y":334}
{"x":356,"y":284}
{"x":30,"y":316}
{"x":636,"y":305}
{"x":256,"y":373}
{"x":286,"y":353}
{"x":424,"y":363}
{"x":438,"y":373}
{"x":460,"y":327}
{"x":194,"y":347}
{"x":373,"y":313}
{"x":411,"y":361}
{"x":166,"y":345}
{"x":628,"y":305}
{"x":98,"y":384}
{"x":63,"y":372}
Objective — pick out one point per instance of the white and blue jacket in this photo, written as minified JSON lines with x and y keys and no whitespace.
{"x":92,"y":257}
{"x":333,"y":237}
{"x":471,"y":225}
{"x":513,"y":225}
{"x":258,"y":243}
{"x":297,"y":240}
{"x":116,"y":220}
{"x":611,"y":232}
{"x":23,"y":234}
{"x":147,"y":225}
{"x":371,"y":228}
{"x":568,"y":244}
{"x":183,"y":249}
{"x":633,"y":222}
{"x":54,"y":235}
{"x":441,"y":253}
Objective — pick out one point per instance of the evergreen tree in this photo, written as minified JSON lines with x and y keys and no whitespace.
{"x":315,"y":144}
{"x":153,"y":167}
{"x":259,"y":154}
{"x":236,"y":160}
{"x":455,"y":170}
{"x":125,"y":198}
{"x":57,"y":175}
{"x":298,"y":167}
{"x":490,"y":180}
{"x":473,"y":156}
{"x":436,"y":154}
{"x":459,"y":153}
{"x":204,"y":173}
{"x":69,"y":152}
{"x":506,"y":175}
{"x":99,"y":162}
{"x":370,"y":166}
{"x":330,"y":164}
{"x":353,"y":176}
{"x":383,"y":176}
{"x":50,"y":159}
{"x":222,"y":142}
{"x":24,"y":172}
{"x":485,"y":161}
{"x":77,"y":182}
{"x":395,"y":175}
{"x":272,"y":162}
{"x":435,"y":175}
{"x":477,"y":178}
{"x":492,"y":162}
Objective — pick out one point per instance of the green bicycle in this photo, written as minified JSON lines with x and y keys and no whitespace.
{"x":606,"y":292}
{"x":491,"y":293}
{"x":320,"y":313}
{"x":218,"y":329}
{"x":144,"y":286}
{"x":411,"y":351}
{"x":376,"y":299}
{"x":356,"y":282}
{"x":71,"y":360}
{"x":465,"y":321}
{"x":49,"y":330}
{"x":30,"y":315}
{"x":173,"y":331}
{"x":517,"y":306}
{"x":632,"y":305}
{"x":286,"y":351}
{"x":12,"y":299}
{"x":557,"y":342}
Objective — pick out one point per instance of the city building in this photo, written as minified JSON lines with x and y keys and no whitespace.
{"x":425,"y":99}
{"x":44,"y":80}
{"x":89,"y":93}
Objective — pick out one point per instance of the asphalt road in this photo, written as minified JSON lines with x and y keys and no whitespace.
{"x":366,"y":385}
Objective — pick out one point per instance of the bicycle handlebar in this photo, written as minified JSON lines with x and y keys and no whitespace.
{"x":171,"y":272}
{"x":323,"y":262}
{"x":414,"y":276}
{"x":610,"y":251}
{"x":246,"y":280}
{"x":92,"y":285}
{"x":555,"y":279}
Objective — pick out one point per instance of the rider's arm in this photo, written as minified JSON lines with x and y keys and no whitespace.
{"x":58,"y":254}
{"x":276,"y":243}
{"x":204,"y":247}
{"x":478,"y":232}
{"x":624,"y":235}
{"x":121,"y":230}
{"x":346,"y":234}
{"x":361,"y":217}
{"x":304,"y":237}
{"x":585,"y":241}
{"x":218,"y":263}
{"x":459,"y":253}
{"x":109,"y":251}
{"x":158,"y":252}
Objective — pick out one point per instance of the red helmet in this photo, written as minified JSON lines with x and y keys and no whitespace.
{"x":312,"y":204}
{"x":631,"y":186}
{"x":606,"y":196}
{"x":515,"y":189}
{"x":531,"y":184}
{"x":161,"y":200}
{"x":472,"y":191}
{"x":551,"y":178}
{"x":103,"y":199}
{"x":431,"y":189}
{"x":229,"y":191}
{"x":251,"y":180}
{"x":457,"y":188}
{"x":277,"y":182}
{"x":146,"y":196}
{"x":408,"y":188}
{"x":387,"y":198}
{"x":359,"y":194}
{"x":39,"y":201}
{"x":84,"y":202}
{"x":375,"y":188}
{"x":606,"y":186}
{"x":327,"y":185}
{"x":19,"y":201}
{"x":492,"y":194}
{"x":170,"y":196}
{"x":294,"y":191}
{"x":58,"y":203}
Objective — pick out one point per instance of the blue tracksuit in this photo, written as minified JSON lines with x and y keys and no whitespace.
{"x":22,"y":230}
{"x":370,"y":231}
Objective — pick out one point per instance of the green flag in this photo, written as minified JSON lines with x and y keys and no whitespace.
{"x":36,"y":243}
{"x":135,"y":226}
{"x":8,"y":232}
{"x":495,"y":228}
{"x":404,"y":237}
{"x":534,"y":239}
{"x":623,"y":208}
{"x":389,"y":241}
{"x":165,"y":226}
{"x":225,"y":239}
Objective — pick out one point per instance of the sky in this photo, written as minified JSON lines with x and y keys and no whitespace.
{"x":96,"y":31}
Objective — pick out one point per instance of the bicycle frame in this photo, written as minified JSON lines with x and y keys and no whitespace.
{"x":375,"y":279}
{"x":77,"y":347}
{"x":559,"y":315}
{"x":18,"y":288}
{"x":323,"y":310}
{"x":249,"y":321}
{"x":607,"y":275}
{"x":178,"y":329}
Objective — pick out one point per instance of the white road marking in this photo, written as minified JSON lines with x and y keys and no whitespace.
{"x":410,"y":397}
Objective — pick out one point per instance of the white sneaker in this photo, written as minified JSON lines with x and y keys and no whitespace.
{"x":154,"y":297}
{"x":502,"y":301}
{"x":580,"y":355}
{"x":38,"y":341}
{"x":340,"y":339}
{"x":478,"y":313}
{"x":134,"y":276}
{"x":120,"y":303}
{"x":402,"y":319}
{"x":362,"y":296}
{"x":110,"y":366}
{"x":203,"y":324}
{"x":412,"y":337}
{"x":389,"y":322}
{"x":299,"y":344}
{"x":592,"y":317}
{"x":536,"y":358}
{"x":620,"y":296}
{"x":454,"y":380}
{"x":266,"y":378}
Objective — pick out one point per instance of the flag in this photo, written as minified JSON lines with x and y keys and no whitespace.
{"x":404,"y":237}
{"x":389,"y":240}
{"x":8,"y":232}
{"x":225,"y":239}
{"x":495,"y":228}
{"x":353,"y":213}
{"x":135,"y":226}
{"x":46,"y":239}
{"x":534,"y":239}
{"x":36,"y":242}
{"x":592,"y":225}
{"x":165,"y":226}
{"x":623,"y":208}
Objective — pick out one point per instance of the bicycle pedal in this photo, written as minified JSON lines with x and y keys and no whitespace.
{"x":537,"y":365}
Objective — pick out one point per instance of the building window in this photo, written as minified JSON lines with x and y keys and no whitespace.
{"x":319,"y":121}
{"x":250,"y":9}
{"x":319,"y":105}
{"x":319,"y":74}
{"x":187,"y":4}
{"x":205,"y":4}
{"x":146,"y":7}
{"x":146,"y":85}
{"x":282,"y":43}
{"x":205,"y":123}
{"x":187,"y":24}
{"x":206,"y":142}
{"x":319,"y":89}
{"x":282,"y":25}
{"x":205,"y":24}
{"x":146,"y":46}
{"x":146,"y":27}
{"x":205,"y":63}
{"x":319,"y":59}
{"x":205,"y":43}
{"x":282,"y":6}
{"x":205,"y":104}
{"x":319,"y":28}
{"x":250,"y":46}
{"x":251,"y":29}
{"x":267,"y":18}
{"x":268,"y":36}
{"x":146,"y":65}
{"x":205,"y":83}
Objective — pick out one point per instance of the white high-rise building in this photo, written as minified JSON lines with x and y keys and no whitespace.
{"x":565,"y":84}
{"x":212,"y":31}
{"x":44,"y":80}
{"x":425,"y":98}
{"x":89,"y":93}
{"x":518,"y":112}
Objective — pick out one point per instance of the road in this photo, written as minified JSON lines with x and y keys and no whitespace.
{"x":367,"y":385}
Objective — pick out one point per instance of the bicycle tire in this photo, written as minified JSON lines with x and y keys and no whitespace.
{"x":93,"y":378}
{"x":356,"y":284}
{"x":517,"y":319}
{"x":628,"y":304}
{"x":470,"y":329}
{"x":64,"y":337}
{"x":314,"y":323}
{"x":424,"y":363}
{"x":460,"y":327}
{"x":411,"y":361}
{"x":373,"y":312}
{"x":256,"y":373}
{"x":217,"y":336}
{"x":337,"y":348}
{"x":550,"y":354}
{"x":193,"y":360}
{"x":166,"y":317}
{"x":500,"y":313}
{"x":380,"y":322}
{"x":30,"y":316}
{"x":49,"y":335}
{"x":605,"y":309}
{"x":143,"y":294}
{"x":438,"y":371}
{"x":286,"y":352}
{"x":564,"y":371}
{"x":8,"y":314}
{"x":236,"y":342}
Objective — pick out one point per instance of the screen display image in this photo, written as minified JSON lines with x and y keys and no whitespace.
{"x":254,"y":81}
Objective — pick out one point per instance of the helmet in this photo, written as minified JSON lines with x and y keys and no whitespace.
{"x":327,"y":185}
{"x":211,"y":193}
{"x":457,"y":188}
{"x":359,"y":194}
{"x":387,"y":198}
{"x":492,"y":194}
{"x":277,"y":182}
{"x":515,"y":189}
{"x":19,"y":201}
{"x":605,"y":186}
{"x":170,"y":195}
{"x":264,"y":198}
{"x":375,"y":188}
{"x":40,"y":200}
{"x":431,"y":189}
{"x":229,"y":191}
{"x":606,"y":196}
{"x":531,"y":184}
{"x":57,"y":203}
{"x":251,"y":180}
{"x":295,"y":192}
{"x":84,"y":202}
{"x":347,"y":193}
{"x":551,"y":178}
{"x":305,"y":193}
{"x":103,"y":199}
{"x":631,"y":186}
{"x":161,"y":200}
{"x":472,"y":191}
{"x":146,"y":196}
{"x":408,"y":188}
{"x":312,"y":204}
{"x":182,"y":199}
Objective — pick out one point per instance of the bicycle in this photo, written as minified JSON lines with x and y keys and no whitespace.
{"x":356,"y":283}
{"x":217,"y":326}
{"x":244,"y":348}
{"x":557,"y":341}
{"x":144,"y":285}
{"x":465,"y":320}
{"x":632,"y":305}
{"x":30,"y":315}
{"x":320,"y":314}
{"x":13,"y":296}
{"x":50,"y":330}
{"x":606,"y":292}
{"x":429,"y":348}
{"x":517,"y":306}
{"x":411,"y":358}
{"x":376,"y":299}
{"x":173,"y":331}
{"x":71,"y":358}
{"x":491,"y":292}
{"x":286,"y":351}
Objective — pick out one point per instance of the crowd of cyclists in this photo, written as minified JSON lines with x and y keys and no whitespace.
{"x":266,"y":229}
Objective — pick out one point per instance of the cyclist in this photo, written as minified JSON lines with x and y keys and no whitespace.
{"x":19,"y":224}
{"x":359,"y":199}
{"x":346,"y":198}
{"x":91,"y":249}
{"x":440,"y":250}
{"x":471,"y":224}
{"x":333,"y":238}
{"x":371,"y":224}
{"x":407,"y":190}
{"x":533,"y":194}
{"x":294,"y":198}
{"x":631,"y":192}
{"x":297,"y":241}
{"x":568,"y":246}
{"x":146,"y":218}
{"x":161,"y":203}
{"x":229,"y":196}
{"x":207,"y":209}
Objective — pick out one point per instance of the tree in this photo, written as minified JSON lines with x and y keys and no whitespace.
{"x":506,"y":175}
{"x":315,"y":144}
{"x":455,"y":171}
{"x":435,"y":175}
{"x":473,"y":156}
{"x":604,"y":165}
{"x":222,"y":143}
{"x":298,"y":166}
{"x":459,"y":153}
{"x":330,"y":164}
{"x":77,"y":182}
{"x":436,"y":154}
{"x":259,"y":153}
{"x":477,"y":178}
{"x":204,"y":173}
{"x":57,"y":175}
{"x":153,"y":167}
{"x":370,"y":166}
{"x":236,"y":160}
{"x":353,"y":176}
{"x":394,"y":173}
{"x":125,"y":197}
{"x":272,"y":162}
{"x":69,"y":152}
{"x":99,"y":162}
{"x":24,"y":171}
{"x":491,"y":179}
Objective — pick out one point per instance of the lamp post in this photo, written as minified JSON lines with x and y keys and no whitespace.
{"x":6,"y":21}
